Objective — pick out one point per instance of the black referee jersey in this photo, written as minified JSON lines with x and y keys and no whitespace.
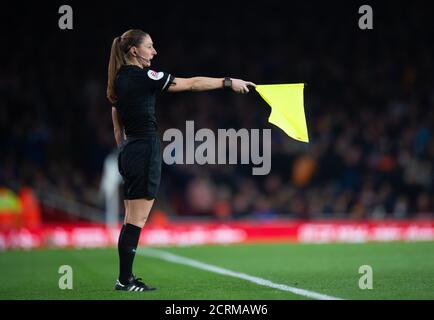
{"x":136,"y":90}
{"x":139,"y":159}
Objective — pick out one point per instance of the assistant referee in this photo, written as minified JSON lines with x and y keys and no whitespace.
{"x":132,"y":89}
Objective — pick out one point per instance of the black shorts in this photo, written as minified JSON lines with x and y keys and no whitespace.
{"x":139,"y":163}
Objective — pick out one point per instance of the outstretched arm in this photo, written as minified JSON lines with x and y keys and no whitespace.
{"x":206,"y":83}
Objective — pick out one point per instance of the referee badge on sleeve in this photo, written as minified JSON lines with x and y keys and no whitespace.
{"x":154,"y":75}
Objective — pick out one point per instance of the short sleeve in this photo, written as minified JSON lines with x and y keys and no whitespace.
{"x":159,"y":81}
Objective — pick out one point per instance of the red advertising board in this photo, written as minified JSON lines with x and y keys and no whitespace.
{"x":197,"y":233}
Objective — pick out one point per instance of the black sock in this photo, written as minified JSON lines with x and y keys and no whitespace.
{"x":121,"y":235}
{"x":120,"y":241}
{"x":127,"y":245}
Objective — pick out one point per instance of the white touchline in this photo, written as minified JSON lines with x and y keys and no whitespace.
{"x":208,"y":267}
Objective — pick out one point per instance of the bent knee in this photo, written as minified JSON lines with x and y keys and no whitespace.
{"x":137,"y":220}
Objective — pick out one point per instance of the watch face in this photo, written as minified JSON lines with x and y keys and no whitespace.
{"x":228,"y":83}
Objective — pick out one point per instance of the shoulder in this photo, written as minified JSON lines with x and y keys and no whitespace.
{"x":130,"y":70}
{"x":128,"y":73}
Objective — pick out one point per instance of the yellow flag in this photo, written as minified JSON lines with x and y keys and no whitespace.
{"x":287,"y":108}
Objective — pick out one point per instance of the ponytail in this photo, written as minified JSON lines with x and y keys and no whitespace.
{"x":117,"y":60}
{"x":121,"y":45}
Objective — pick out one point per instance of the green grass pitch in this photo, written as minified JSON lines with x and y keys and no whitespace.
{"x":400,"y":271}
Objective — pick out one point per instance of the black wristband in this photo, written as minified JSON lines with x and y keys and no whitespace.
{"x":227,"y":83}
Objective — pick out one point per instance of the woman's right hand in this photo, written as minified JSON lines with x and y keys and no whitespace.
{"x":241,"y":86}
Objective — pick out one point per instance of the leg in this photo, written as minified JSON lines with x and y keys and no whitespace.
{"x":123,"y":225}
{"x":137,"y":212}
{"x":121,"y":235}
{"x":126,"y":204}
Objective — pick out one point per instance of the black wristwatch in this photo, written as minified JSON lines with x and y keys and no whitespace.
{"x":227,"y":83}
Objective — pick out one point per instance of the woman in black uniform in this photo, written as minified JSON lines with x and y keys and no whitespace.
{"x":132,"y":89}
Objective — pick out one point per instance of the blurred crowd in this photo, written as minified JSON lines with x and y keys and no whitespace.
{"x":368,"y":101}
